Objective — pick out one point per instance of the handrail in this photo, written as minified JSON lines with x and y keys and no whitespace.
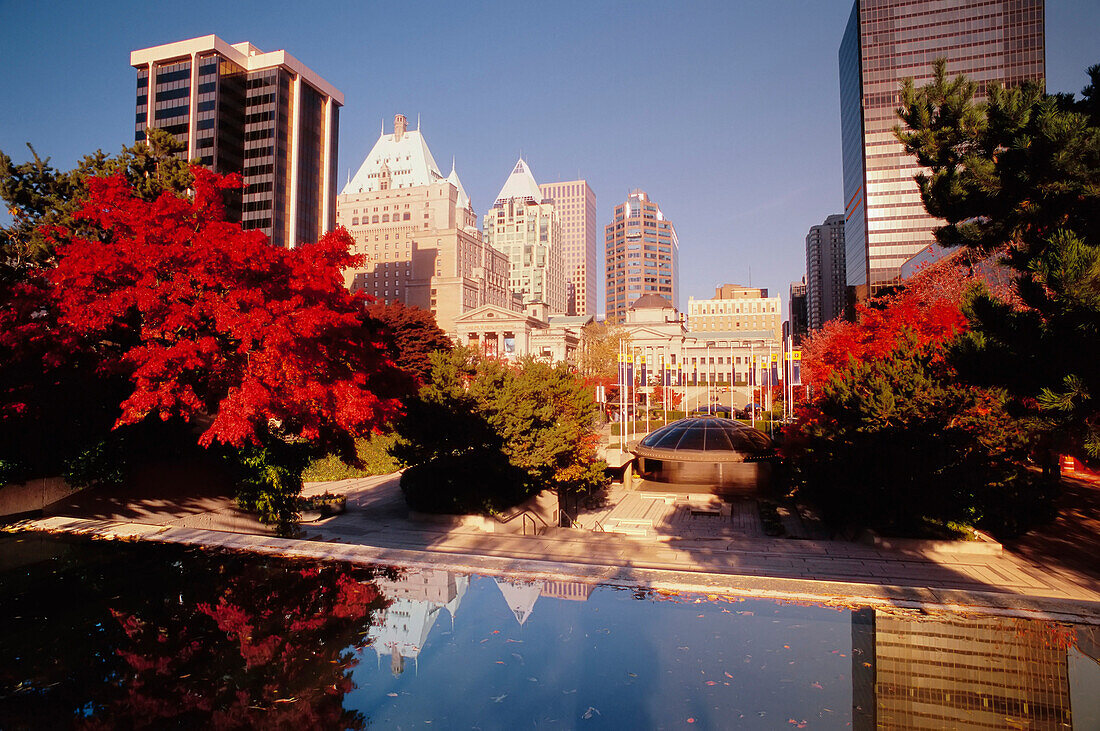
{"x":527,"y":517}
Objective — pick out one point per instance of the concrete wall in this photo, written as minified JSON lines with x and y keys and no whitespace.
{"x":33,"y":495}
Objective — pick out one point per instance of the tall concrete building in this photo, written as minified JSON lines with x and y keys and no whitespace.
{"x":885,"y":42}
{"x":527,"y":229}
{"x":418,"y":232}
{"x":826,"y":278}
{"x":737,"y":309}
{"x":641,"y":255}
{"x":266,"y":116}
{"x":576,"y":206}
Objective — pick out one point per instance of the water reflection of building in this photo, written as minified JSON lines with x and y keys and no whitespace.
{"x":418,"y":598}
{"x":522,"y":595}
{"x":958,"y":672}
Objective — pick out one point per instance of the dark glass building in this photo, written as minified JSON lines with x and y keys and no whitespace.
{"x":265,"y":116}
{"x":826,"y":274}
{"x":885,"y":42}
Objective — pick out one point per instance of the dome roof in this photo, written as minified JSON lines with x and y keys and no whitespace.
{"x":647,"y":301}
{"x":704,"y":438}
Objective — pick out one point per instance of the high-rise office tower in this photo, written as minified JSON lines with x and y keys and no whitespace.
{"x":826,"y":277}
{"x":576,"y":206}
{"x":641,"y":255}
{"x":527,"y":229}
{"x":418,"y":232}
{"x":797,"y":317}
{"x":885,"y":42}
{"x":266,"y":116}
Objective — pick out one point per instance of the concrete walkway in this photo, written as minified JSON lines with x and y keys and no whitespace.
{"x":376,"y":527}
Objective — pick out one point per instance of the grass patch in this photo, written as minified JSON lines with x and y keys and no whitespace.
{"x":372,"y":451}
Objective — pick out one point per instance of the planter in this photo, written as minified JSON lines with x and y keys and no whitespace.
{"x":983,"y":544}
{"x":326,"y":505}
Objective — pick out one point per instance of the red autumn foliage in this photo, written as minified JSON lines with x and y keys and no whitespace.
{"x":929,"y":306}
{"x":208,"y":320}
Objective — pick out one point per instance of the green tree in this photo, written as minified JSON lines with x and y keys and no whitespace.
{"x":1021,"y":173}
{"x":897,"y":444}
{"x":484,"y":435}
{"x":39,"y":197}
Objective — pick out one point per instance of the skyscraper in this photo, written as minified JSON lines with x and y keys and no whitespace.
{"x":641,"y":255}
{"x":266,"y":116}
{"x":576,"y":206}
{"x":797,"y":318}
{"x":418,"y":232}
{"x":527,"y":229}
{"x":825,"y":272}
{"x":885,"y":42}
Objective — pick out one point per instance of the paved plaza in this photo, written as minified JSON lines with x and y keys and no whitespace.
{"x":686,"y":548}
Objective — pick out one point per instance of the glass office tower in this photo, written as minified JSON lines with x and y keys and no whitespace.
{"x":885,"y":42}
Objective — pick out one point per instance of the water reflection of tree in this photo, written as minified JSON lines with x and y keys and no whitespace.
{"x":241,"y":642}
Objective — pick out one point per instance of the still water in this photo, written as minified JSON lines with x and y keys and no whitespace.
{"x":120,"y":635}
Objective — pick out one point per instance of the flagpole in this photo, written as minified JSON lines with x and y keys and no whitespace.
{"x":752,"y":382}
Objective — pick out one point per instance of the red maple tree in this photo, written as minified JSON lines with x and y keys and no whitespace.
{"x":929,"y":306}
{"x":213,"y":324}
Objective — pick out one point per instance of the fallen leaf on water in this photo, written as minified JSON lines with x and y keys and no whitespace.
{"x":691,"y":720}
{"x":633,"y":675}
{"x":816,"y":684}
{"x":701,"y":615}
{"x":726,"y":611}
{"x":511,"y":640}
{"x":728,"y":675}
{"x":499,"y":698}
{"x":786,"y":647}
{"x":592,"y":710}
{"x":496,"y":632}
{"x":392,"y":695}
{"x":500,"y":662}
{"x":866,"y":664}
{"x":712,"y":682}
{"x":568,"y":692}
{"x":533,"y":680}
{"x":517,"y":656}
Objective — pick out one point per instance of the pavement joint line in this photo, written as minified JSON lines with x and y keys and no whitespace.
{"x":688,"y":579}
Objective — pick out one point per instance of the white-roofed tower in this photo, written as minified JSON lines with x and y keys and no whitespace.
{"x":418,"y":232}
{"x":527,"y":229}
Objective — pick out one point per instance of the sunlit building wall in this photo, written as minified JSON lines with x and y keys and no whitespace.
{"x":575,"y":203}
{"x":885,"y":42}
{"x":526,"y":228}
{"x":641,"y":255}
{"x":417,"y":232}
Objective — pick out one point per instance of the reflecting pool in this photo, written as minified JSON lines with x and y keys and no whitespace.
{"x":107,"y":635}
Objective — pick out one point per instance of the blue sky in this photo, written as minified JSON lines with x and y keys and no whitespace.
{"x":726,"y":113}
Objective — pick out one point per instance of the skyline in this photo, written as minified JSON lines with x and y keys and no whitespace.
{"x":739,"y":132}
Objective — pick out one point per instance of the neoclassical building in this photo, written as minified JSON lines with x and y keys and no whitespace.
{"x":505,"y":333}
{"x":660,"y":335}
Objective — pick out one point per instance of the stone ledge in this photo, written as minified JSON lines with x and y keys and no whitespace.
{"x":984,"y":545}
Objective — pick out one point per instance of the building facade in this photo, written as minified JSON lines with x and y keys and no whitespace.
{"x":576,"y":206}
{"x":736,"y":309}
{"x":266,"y":116}
{"x":530,"y":331}
{"x":826,"y":273}
{"x":641,"y":256}
{"x":660,"y":336}
{"x":797,"y":313}
{"x":527,"y":229}
{"x":885,"y":42}
{"x":418,"y":233}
